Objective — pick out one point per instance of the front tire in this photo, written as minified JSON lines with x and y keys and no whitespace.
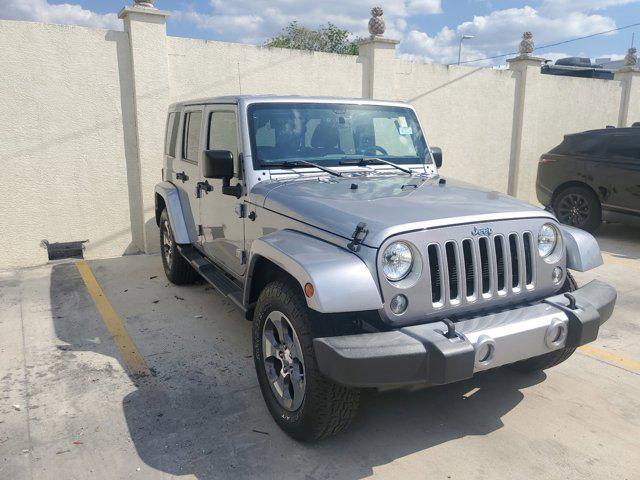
{"x":177,"y":269}
{"x":556,"y":357}
{"x":304,"y":403}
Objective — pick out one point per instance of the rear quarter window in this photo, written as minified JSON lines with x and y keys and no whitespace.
{"x":580,"y":145}
{"x":171,"y":134}
{"x":627,"y":146}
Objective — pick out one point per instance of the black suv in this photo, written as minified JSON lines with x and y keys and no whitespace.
{"x":592,"y":176}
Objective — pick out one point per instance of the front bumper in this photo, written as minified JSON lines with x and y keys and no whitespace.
{"x":422,"y":353}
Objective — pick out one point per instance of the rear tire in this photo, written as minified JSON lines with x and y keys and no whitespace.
{"x":177,"y":269}
{"x":578,"y":207}
{"x":556,"y":357}
{"x":316,"y":407}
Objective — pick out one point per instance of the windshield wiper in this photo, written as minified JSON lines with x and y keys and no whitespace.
{"x":299,"y":163}
{"x":373,"y":160}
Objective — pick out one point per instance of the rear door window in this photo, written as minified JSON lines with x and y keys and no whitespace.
{"x":223,"y":132}
{"x":191,"y":137}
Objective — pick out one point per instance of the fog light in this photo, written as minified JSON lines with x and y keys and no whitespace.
{"x":399,"y":304}
{"x":557,"y":274}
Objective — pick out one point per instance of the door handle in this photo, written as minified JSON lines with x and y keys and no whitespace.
{"x":182,"y":176}
{"x":203,"y":186}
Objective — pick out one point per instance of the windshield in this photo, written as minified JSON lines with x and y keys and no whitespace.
{"x":329,"y":134}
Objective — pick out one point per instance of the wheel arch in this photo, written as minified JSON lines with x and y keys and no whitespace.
{"x":573,"y":183}
{"x":340,"y":279}
{"x":160,"y":206}
{"x":261,"y":272}
{"x":167,"y":196}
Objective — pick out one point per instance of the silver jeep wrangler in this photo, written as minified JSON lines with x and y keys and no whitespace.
{"x":326,"y":222}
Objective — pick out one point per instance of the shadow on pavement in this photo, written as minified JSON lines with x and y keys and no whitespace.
{"x":203,"y":414}
{"x":622,"y":241}
{"x":211,"y":436}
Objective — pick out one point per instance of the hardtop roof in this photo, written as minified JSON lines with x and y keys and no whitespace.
{"x":238,"y":99}
{"x":608,"y":131}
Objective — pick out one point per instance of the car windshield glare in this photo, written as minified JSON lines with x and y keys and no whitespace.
{"x":329,"y":134}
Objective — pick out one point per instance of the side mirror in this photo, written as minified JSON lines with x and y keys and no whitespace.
{"x":436,"y":153}
{"x":218,"y":164}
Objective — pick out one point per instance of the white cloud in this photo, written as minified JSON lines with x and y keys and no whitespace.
{"x":43,"y":11}
{"x":441,"y":48}
{"x":262,"y":20}
{"x":428,"y":7}
{"x":503,"y":28}
{"x":500,"y":32}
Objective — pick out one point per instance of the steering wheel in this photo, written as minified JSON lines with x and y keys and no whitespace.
{"x":375,"y":149}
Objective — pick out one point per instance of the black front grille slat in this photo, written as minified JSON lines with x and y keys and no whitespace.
{"x":484,"y":264}
{"x":528,"y":267}
{"x":467,"y":252}
{"x":434,"y":268}
{"x":500,"y":268}
{"x":515,"y":265}
{"x":452,"y":270}
{"x":480,"y":268}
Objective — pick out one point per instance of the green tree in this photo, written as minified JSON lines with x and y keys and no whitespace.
{"x":327,"y":38}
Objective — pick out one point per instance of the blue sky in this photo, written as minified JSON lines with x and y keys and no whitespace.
{"x":428,"y":29}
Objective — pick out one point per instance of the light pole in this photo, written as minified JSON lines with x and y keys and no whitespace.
{"x":463,"y":37}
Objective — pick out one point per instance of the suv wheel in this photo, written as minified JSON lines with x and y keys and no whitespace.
{"x":304,"y":403}
{"x":177,"y":269}
{"x":550,"y":359}
{"x":578,"y":207}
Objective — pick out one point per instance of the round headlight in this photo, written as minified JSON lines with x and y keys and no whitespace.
{"x":547,"y":239}
{"x":396,"y":261}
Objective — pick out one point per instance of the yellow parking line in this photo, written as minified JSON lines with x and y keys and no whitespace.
{"x":618,"y":361}
{"x":133,"y":360}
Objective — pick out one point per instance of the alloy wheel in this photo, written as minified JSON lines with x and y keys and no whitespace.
{"x":167,"y":244}
{"x":283,"y":361}
{"x":573,"y":209}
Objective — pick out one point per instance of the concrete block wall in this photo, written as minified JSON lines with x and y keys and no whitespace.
{"x":84,"y":112}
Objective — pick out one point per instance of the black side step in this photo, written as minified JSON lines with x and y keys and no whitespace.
{"x":213,"y":274}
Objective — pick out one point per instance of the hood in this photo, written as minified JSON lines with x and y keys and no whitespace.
{"x":387,"y":204}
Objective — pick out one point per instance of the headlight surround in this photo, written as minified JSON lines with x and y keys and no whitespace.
{"x":547,"y":240}
{"x":397,"y":260}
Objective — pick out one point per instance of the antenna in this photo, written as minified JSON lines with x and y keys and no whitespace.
{"x":633,"y":37}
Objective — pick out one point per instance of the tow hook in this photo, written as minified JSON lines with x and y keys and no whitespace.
{"x":572,"y":301}
{"x":451,"y":329}
{"x":583,"y":321}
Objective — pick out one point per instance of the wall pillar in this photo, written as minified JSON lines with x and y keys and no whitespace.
{"x":146,"y":28}
{"x":377,"y":55}
{"x":524,"y":67}
{"x":630,"y":100}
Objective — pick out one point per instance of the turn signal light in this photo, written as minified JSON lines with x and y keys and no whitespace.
{"x":308,"y":290}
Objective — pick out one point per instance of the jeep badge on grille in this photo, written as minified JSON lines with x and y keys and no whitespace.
{"x":481,"y":231}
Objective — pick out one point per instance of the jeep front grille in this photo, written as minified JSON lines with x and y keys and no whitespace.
{"x":462,"y":272}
